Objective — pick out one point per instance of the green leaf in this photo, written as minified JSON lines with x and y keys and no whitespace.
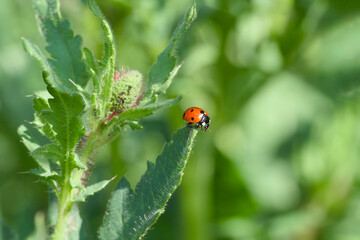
{"x":93,"y":68}
{"x":131,"y":213}
{"x":65,"y":118}
{"x":164,"y":69}
{"x":134,"y":125}
{"x":44,"y":174}
{"x":109,"y":47}
{"x":41,"y":154}
{"x":64,"y":48}
{"x":45,"y":153}
{"x":112,"y":128}
{"x":77,"y":163}
{"x":40,"y":105}
{"x":141,"y":112}
{"x":162,"y":87}
{"x":91,"y":190}
{"x":35,"y":52}
{"x":107,"y":62}
{"x":27,"y":139}
{"x":49,"y":177}
{"x":91,"y":61}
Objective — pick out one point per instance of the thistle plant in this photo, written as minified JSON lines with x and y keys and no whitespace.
{"x":87,"y":103}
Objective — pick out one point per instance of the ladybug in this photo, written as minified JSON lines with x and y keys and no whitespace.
{"x":197,"y":116}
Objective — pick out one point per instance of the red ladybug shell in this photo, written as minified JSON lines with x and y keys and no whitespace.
{"x":194,"y":114}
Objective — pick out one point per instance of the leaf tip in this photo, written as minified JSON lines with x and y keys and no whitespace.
{"x":192,"y":13}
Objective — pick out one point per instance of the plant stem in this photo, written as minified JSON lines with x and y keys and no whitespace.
{"x":65,"y":205}
{"x":86,"y":152}
{"x":89,"y":147}
{"x":65,"y":202}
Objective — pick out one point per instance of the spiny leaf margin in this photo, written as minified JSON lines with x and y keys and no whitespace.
{"x":164,"y":69}
{"x":64,"y":116}
{"x":64,"y":48}
{"x":91,"y":190}
{"x":131,"y":213}
{"x":107,"y":63}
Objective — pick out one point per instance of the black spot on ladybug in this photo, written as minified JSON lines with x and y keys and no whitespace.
{"x":191,"y":113}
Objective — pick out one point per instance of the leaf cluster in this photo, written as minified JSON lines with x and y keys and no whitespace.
{"x":75,"y":116}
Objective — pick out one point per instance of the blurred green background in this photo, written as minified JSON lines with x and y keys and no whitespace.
{"x":279,"y":79}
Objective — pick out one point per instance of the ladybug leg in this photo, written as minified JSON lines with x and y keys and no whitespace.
{"x":204,"y":126}
{"x":194,"y":125}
